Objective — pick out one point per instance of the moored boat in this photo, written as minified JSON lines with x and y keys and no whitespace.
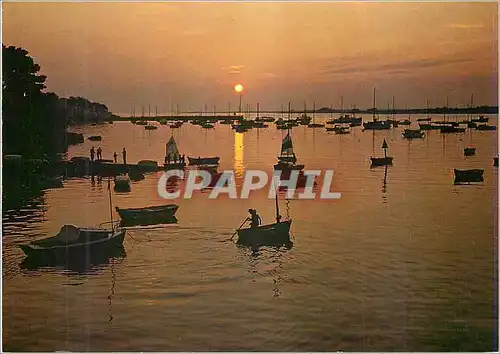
{"x":469,"y":151}
{"x":73,"y":241}
{"x":468,"y":176}
{"x":413,"y":134}
{"x":150,"y":127}
{"x":451,"y":129}
{"x":95,"y":138}
{"x":495,"y":161}
{"x":203,"y":160}
{"x":122,"y":183}
{"x":382,"y":161}
{"x":148,"y":215}
{"x":485,"y":127}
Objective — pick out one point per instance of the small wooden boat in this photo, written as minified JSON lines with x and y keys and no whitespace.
{"x":150,"y":127}
{"x":173,"y":160}
{"x":207,"y":126}
{"x":73,"y":241}
{"x":148,"y":215}
{"x":405,"y":122}
{"x":428,"y":119}
{"x":272,"y":234}
{"x":195,"y":161}
{"x":413,"y":134}
{"x":141,"y":122}
{"x":468,"y":176}
{"x":315,"y":125}
{"x":95,"y":138}
{"x":469,"y":151}
{"x":264,"y":119}
{"x":276,"y":234}
{"x":428,"y":126}
{"x":377,"y":125}
{"x":382,"y":161}
{"x":485,"y":127}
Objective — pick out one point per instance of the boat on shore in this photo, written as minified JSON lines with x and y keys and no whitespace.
{"x":196,"y":161}
{"x":150,"y":215}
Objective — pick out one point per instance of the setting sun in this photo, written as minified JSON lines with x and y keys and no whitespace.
{"x":238,"y":88}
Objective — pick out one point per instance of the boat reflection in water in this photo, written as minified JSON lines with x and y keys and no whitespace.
{"x":84,"y":264}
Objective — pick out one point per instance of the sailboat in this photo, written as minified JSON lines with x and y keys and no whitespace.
{"x":382,"y":161}
{"x":277,"y":233}
{"x":376,"y":124}
{"x":313,"y":124}
{"x":173,"y":160}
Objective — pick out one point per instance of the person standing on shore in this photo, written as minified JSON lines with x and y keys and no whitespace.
{"x":92,"y":153}
{"x":99,"y":153}
{"x":115,"y":156}
{"x":124,"y":154}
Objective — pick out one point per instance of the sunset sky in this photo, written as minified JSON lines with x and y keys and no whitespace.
{"x":130,"y":54}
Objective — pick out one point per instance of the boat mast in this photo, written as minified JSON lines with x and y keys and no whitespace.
{"x":277,"y":208}
{"x":257,"y":110}
{"x":393,"y":109}
{"x":427,"y":110}
{"x":373,"y":118}
{"x":110,"y":205}
{"x":314,"y":110}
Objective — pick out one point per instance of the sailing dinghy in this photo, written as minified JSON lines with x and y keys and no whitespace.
{"x":173,"y":159}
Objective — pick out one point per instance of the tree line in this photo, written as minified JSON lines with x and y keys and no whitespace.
{"x":35,"y":121}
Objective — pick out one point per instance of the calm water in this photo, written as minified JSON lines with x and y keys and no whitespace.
{"x":407,"y":264}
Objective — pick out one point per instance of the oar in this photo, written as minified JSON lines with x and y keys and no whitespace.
{"x":243,"y":223}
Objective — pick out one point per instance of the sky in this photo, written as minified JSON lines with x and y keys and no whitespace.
{"x":162,"y":55}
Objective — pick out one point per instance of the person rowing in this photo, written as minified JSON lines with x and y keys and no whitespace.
{"x":254,"y":218}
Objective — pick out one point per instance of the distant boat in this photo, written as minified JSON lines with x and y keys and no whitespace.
{"x":207,"y":126}
{"x":264,"y":119}
{"x":175,"y":125}
{"x":480,"y":119}
{"x":313,"y":124}
{"x":405,"y":122}
{"x":203,"y":160}
{"x":173,"y":160}
{"x":469,"y":151}
{"x":95,"y":138}
{"x":287,"y":160}
{"x":382,"y":161}
{"x":495,"y":161}
{"x":338,"y":129}
{"x":451,"y":129}
{"x":428,"y":119}
{"x":428,"y":126}
{"x":468,"y":176}
{"x":141,"y":122}
{"x":413,"y":134}
{"x":148,"y":215}
{"x":485,"y":127}
{"x":150,"y":127}
{"x":376,"y":124}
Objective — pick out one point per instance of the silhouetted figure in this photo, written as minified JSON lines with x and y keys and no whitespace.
{"x":92,"y":153}
{"x":183,"y":158}
{"x":124,"y":155}
{"x":115,"y":157}
{"x":254,"y":218}
{"x":99,"y":153}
